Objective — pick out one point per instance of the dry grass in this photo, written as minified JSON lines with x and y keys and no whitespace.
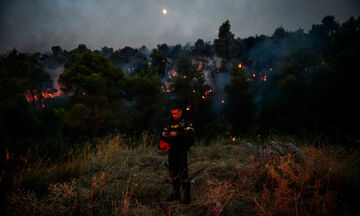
{"x":114,"y":179}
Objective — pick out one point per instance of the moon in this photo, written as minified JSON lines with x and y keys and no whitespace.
{"x":164,"y":11}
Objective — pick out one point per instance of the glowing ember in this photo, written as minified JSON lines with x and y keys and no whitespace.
{"x":265,"y":78}
{"x":184,"y":77}
{"x":233,"y":139}
{"x":194,"y":91}
{"x":239,"y":66}
{"x":188,"y":108}
{"x":254,"y":75}
{"x":203,"y":97}
{"x":208,"y":92}
{"x":222,"y":101}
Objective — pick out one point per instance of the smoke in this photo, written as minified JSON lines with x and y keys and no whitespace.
{"x":54,"y":74}
{"x":132,"y":67}
{"x":36,"y":25}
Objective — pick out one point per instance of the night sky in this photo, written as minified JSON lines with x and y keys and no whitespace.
{"x":37,"y":25}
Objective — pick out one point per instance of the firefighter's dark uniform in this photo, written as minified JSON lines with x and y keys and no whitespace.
{"x":180,"y":145}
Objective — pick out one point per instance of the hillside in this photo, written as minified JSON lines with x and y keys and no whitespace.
{"x":232,"y":177}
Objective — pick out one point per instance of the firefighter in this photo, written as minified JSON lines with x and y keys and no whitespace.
{"x":179,"y":134}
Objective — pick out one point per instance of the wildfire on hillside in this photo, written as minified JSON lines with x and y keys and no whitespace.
{"x":38,"y":98}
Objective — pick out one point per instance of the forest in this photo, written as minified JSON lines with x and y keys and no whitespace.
{"x":295,"y":84}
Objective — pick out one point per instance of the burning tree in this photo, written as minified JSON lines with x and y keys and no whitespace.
{"x":30,"y":75}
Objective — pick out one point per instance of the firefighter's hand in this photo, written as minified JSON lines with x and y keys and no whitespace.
{"x":172,"y":134}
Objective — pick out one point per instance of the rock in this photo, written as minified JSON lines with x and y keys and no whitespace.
{"x":274,"y":150}
{"x":249,"y":145}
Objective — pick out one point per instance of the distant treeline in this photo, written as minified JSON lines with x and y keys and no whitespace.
{"x":291,"y":82}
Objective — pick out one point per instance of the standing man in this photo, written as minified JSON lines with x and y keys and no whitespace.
{"x":179,"y":134}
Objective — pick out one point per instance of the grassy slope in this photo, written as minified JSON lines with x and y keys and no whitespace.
{"x":113,"y":179}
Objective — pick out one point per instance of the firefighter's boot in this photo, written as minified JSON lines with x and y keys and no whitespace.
{"x":186,"y":189}
{"x":176,"y":194}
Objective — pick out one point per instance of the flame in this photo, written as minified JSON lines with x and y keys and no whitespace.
{"x":188,"y":108}
{"x":38,"y":98}
{"x":240,"y":66}
{"x":208,"y":92}
{"x":233,"y":139}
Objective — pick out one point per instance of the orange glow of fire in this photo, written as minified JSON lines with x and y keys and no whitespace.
{"x":222,"y":101}
{"x":233,"y":139}
{"x":188,"y":108}
{"x":39,"y":98}
{"x":208,"y":92}
{"x":200,"y":66}
{"x":240,"y":66}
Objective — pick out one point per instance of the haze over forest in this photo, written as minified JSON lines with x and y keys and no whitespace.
{"x":36,"y":26}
